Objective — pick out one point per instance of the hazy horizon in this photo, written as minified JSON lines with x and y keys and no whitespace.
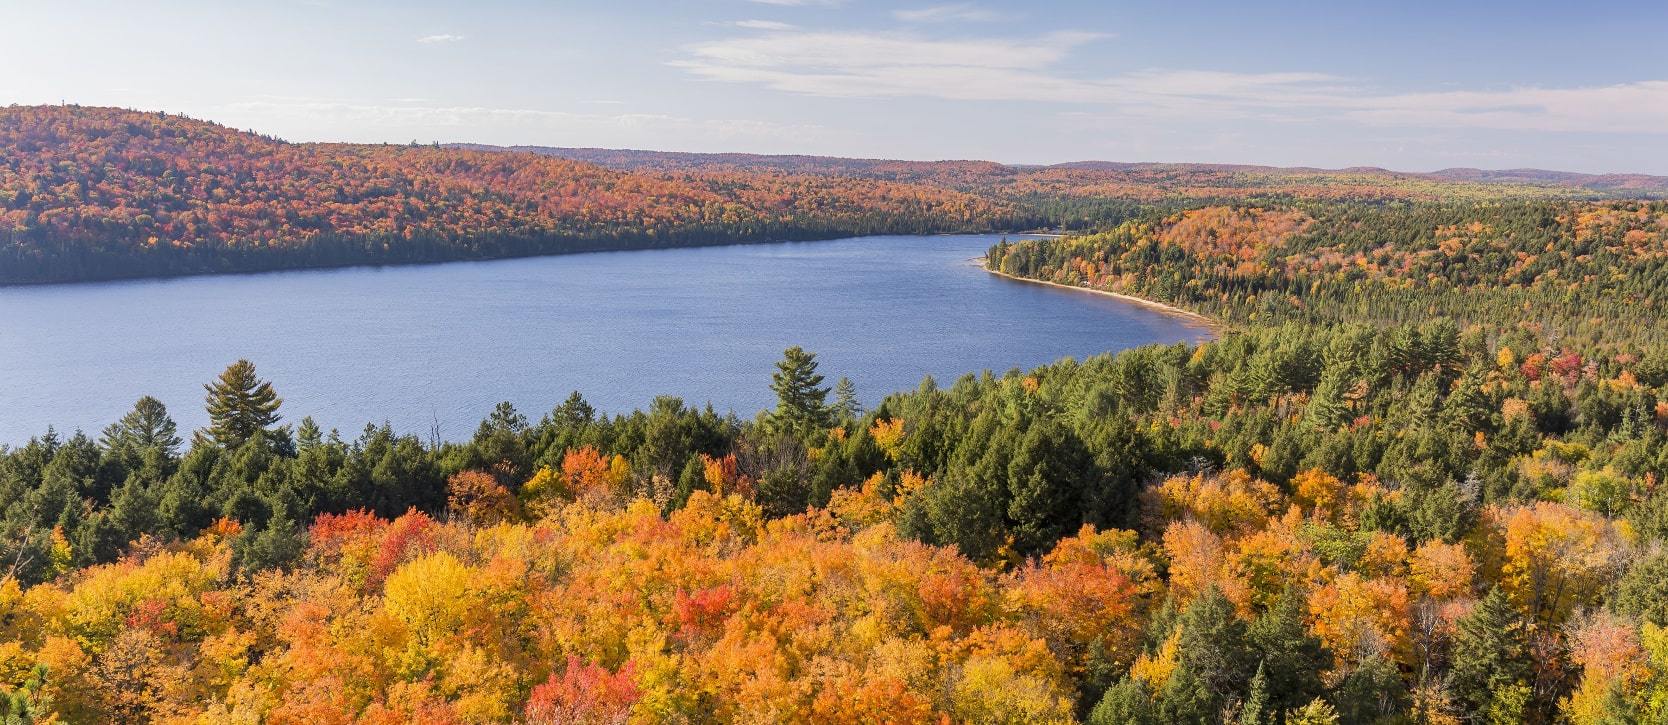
{"x":1162,"y":162}
{"x":1413,"y":87}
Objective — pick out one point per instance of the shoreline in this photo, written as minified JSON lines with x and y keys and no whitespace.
{"x":1216,"y":328}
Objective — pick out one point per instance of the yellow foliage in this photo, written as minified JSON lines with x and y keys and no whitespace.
{"x":1555,"y":557}
{"x":430,"y":596}
{"x":888,"y":434}
{"x":1228,"y":503}
{"x":1442,"y":570}
{"x":1155,"y":669}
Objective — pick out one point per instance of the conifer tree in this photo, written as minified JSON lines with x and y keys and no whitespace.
{"x":240,"y":405}
{"x":846,"y":404}
{"x":801,"y":404}
{"x":1491,"y":656}
{"x":147,"y":426}
{"x":1251,"y":711}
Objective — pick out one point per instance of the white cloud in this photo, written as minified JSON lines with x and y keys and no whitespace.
{"x":406,"y":118}
{"x":439,"y":39}
{"x":763,"y":25}
{"x":1639,"y":107}
{"x":963,"y":12}
{"x":890,"y":65}
{"x":801,"y":3}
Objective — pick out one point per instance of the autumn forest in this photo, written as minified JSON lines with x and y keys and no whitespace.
{"x":1417,"y":477}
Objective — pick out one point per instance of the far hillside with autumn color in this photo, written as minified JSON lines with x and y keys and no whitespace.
{"x":100,"y":193}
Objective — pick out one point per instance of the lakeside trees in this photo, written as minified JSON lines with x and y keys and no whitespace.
{"x":102,"y":193}
{"x":1174,"y":533}
{"x":1417,"y":480}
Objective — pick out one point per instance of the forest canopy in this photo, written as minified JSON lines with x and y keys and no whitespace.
{"x":101,"y":193}
{"x":1416,"y":479}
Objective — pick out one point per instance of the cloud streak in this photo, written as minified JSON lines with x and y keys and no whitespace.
{"x":954,"y":12}
{"x":906,"y":64}
{"x":762,"y":25}
{"x":441,"y":39}
{"x":470,"y":118}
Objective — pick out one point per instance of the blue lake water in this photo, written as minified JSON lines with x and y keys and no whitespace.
{"x":421,"y":345}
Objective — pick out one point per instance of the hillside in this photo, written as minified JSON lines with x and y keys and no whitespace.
{"x":1149,"y":181}
{"x":101,"y":193}
{"x":1571,"y":271}
{"x":94,"y":193}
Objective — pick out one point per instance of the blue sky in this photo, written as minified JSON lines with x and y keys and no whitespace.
{"x":1406,"y":85}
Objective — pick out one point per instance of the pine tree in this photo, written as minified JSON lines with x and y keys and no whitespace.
{"x":1125,"y":703}
{"x":1292,"y":659}
{"x":147,"y":426}
{"x":1214,"y":661}
{"x":1327,"y":407}
{"x":1491,"y":655}
{"x":1251,"y":711}
{"x":1045,"y":486}
{"x":240,"y":405}
{"x":800,"y":404}
{"x":846,"y":404}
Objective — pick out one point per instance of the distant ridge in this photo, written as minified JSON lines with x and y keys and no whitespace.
{"x":638,"y":159}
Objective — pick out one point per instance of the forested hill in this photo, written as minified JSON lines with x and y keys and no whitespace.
{"x":100,"y":193}
{"x":95,"y":193}
{"x":1138,"y":179}
{"x":1571,"y":272}
{"x":1420,"y":481}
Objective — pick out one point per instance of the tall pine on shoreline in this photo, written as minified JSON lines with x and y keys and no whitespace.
{"x":239,"y":405}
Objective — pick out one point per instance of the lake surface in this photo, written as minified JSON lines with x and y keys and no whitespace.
{"x":421,"y":345}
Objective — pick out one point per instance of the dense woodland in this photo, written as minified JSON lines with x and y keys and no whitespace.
{"x":101,"y":193}
{"x":95,"y":193}
{"x":1417,"y":479}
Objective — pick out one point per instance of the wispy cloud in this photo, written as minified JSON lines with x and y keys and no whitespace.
{"x":473,"y":118}
{"x":953,"y":12}
{"x":763,"y":25}
{"x":900,"y":64}
{"x":1639,"y":107}
{"x":439,"y":39}
{"x":801,"y":3}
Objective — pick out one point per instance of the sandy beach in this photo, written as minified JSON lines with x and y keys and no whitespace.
{"x":1216,"y":327}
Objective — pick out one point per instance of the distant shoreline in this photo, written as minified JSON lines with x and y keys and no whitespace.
{"x":1216,"y":327}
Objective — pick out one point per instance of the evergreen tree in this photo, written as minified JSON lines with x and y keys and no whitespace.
{"x":1327,"y":407}
{"x":1372,"y":692}
{"x":801,"y":405}
{"x":1256,"y":700}
{"x":1292,"y":659}
{"x":1491,"y":655}
{"x":1125,"y":703}
{"x":1213,"y":661}
{"x":240,"y":405}
{"x":146,"y":427}
{"x":1045,"y":485}
{"x":846,"y":405}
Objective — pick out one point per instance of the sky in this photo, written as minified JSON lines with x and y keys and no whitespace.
{"x":1408,"y":85}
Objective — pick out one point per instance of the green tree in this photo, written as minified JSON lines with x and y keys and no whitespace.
{"x":801,"y":404}
{"x":146,"y":427}
{"x":1213,"y":661}
{"x":1045,"y":486}
{"x":240,"y":404}
{"x":1256,"y":700}
{"x":1292,"y":659}
{"x":846,"y":405}
{"x":1491,"y":656}
{"x":1125,"y":703}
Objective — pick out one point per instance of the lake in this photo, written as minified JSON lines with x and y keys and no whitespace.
{"x":420,"y":346}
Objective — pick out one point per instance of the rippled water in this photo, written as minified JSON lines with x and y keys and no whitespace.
{"x":442,"y":344}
